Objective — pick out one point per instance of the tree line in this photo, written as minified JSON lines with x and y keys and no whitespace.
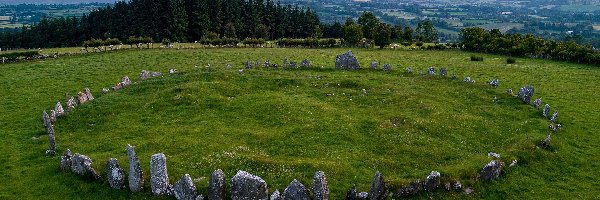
{"x":493,"y":41}
{"x":175,"y":20}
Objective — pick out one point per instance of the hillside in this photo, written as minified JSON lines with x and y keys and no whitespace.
{"x":286,"y":124}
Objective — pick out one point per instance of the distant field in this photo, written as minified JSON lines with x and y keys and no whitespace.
{"x":9,"y":25}
{"x":579,"y":8}
{"x":597,"y":27}
{"x":400,"y":14}
{"x":503,"y":27}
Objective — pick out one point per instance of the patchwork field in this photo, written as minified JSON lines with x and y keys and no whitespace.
{"x":288,"y":124}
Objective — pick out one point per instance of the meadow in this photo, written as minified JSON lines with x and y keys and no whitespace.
{"x":288,"y":124}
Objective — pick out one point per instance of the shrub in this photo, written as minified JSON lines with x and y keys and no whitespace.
{"x":406,"y":43}
{"x":511,"y":61}
{"x":419,"y":44}
{"x":476,"y":58}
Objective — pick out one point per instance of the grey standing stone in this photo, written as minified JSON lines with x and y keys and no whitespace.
{"x":245,"y":186}
{"x":65,"y":160}
{"x":105,"y":90}
{"x":432,"y":181}
{"x":59,"y":109}
{"x":216,"y":185}
{"x":172,"y":71}
{"x":136,"y":176}
{"x":71,"y":103}
{"x":275,"y":196}
{"x":88,"y":94}
{"x":546,"y":142}
{"x":443,"y":71}
{"x":52,"y":116}
{"x":285,"y":63}
{"x":387,"y":67}
{"x":82,"y":165}
{"x":115,"y":174}
{"x":409,"y":70}
{"x":374,"y":65}
{"x":554,"y":116}
{"x":352,"y":194}
{"x":200,"y":197}
{"x":305,"y":63}
{"x":411,"y":189}
{"x":491,"y":170}
{"x":526,"y":93}
{"x":156,"y":74}
{"x":546,"y":111}
{"x":295,"y":191}
{"x":257,"y":64}
{"x":228,"y":66}
{"x":267,"y":64}
{"x":346,"y":61}
{"x":144,"y":75}
{"x":555,"y":127}
{"x":320,"y":187}
{"x":363,"y":195}
{"x":46,"y":119}
{"x":537,"y":103}
{"x":509,"y":91}
{"x":52,"y":143}
{"x":293,"y":64}
{"x":457,"y":185}
{"x":185,"y":188}
{"x":125,"y":81}
{"x":494,"y":155}
{"x":248,"y":65}
{"x":494,"y":83}
{"x":82,"y":97}
{"x":159,"y":179}
{"x":378,"y":188}
{"x":431,"y":71}
{"x":468,"y":80}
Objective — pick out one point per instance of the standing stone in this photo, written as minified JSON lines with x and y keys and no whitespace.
{"x":248,"y":65}
{"x":105,"y":90}
{"x":363,"y":196}
{"x":82,"y":165}
{"x":115,"y":174}
{"x":156,"y":74}
{"x":352,"y":194}
{"x":374,"y":65}
{"x":525,"y":94}
{"x":228,"y":66}
{"x":554,"y":116}
{"x":71,"y":103}
{"x":52,"y":116}
{"x":509,"y":91}
{"x":125,"y":81}
{"x":82,"y":97}
{"x":216,"y":185}
{"x":59,"y":109}
{"x":185,"y":188}
{"x":537,"y":103}
{"x":52,"y":146}
{"x":295,"y":191}
{"x":546,"y":111}
{"x":320,"y":188}
{"x":411,"y":189}
{"x":88,"y":94}
{"x":431,"y":71}
{"x":159,"y":179}
{"x":409,"y":70}
{"x":293,"y":64}
{"x":136,"y":176}
{"x":546,"y":142}
{"x":378,"y":189}
{"x":305,"y":63}
{"x":256,"y":64}
{"x":275,"y":196}
{"x":285,"y":63}
{"x":346,"y":61}
{"x":457,"y":185}
{"x":468,"y":80}
{"x":65,"y":160}
{"x":387,"y":67}
{"x":443,"y":71}
{"x":144,"y":75}
{"x":267,"y":63}
{"x":46,"y":120}
{"x":491,"y":170}
{"x":241,"y":71}
{"x":245,"y":186}
{"x":432,"y":181}
{"x":172,"y":71}
{"x":494,"y":83}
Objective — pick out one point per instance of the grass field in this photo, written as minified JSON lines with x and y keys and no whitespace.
{"x":281,"y":125}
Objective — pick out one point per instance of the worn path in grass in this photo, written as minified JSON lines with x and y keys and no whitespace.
{"x":203,"y":100}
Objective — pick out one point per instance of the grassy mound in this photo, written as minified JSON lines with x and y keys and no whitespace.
{"x":286,"y":124}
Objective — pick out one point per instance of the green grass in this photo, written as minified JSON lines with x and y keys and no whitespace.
{"x":280,"y":125}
